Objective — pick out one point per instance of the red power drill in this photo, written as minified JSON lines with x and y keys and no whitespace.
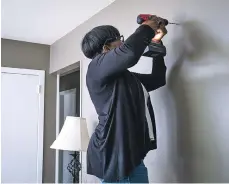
{"x":143,"y":17}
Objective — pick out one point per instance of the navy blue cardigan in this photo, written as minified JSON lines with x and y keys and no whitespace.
{"x":121,"y":139}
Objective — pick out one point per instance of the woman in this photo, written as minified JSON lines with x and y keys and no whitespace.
{"x":124,"y":134}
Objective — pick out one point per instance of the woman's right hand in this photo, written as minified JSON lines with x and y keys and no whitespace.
{"x":153,"y":22}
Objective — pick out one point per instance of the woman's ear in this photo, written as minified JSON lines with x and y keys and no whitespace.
{"x":106,"y":48}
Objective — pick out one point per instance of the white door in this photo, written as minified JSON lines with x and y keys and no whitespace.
{"x":22,"y":109}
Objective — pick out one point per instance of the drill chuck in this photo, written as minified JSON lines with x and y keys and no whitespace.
{"x":164,"y":21}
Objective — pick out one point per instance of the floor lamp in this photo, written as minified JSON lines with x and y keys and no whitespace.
{"x":73,"y":137}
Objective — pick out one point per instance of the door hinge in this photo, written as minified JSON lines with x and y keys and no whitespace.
{"x":39,"y":89}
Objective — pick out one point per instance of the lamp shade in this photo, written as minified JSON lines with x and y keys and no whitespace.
{"x":73,"y":136}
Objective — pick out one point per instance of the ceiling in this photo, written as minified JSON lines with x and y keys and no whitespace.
{"x":45,"y":21}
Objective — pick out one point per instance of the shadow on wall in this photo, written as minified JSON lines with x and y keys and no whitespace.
{"x":192,"y":131}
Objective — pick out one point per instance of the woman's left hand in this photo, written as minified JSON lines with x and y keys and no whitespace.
{"x":160,"y":33}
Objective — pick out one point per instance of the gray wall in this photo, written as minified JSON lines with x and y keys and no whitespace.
{"x":192,"y":109}
{"x":35,"y":56}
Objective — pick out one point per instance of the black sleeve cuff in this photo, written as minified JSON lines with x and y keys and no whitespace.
{"x":148,"y":31}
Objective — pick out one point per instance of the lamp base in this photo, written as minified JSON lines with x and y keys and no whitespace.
{"x":74,"y":167}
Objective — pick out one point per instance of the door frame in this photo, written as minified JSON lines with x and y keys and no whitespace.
{"x":76,"y":67}
{"x":41,"y":91}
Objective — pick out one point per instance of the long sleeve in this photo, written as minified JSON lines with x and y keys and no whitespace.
{"x":157,"y":78}
{"x":107,"y":65}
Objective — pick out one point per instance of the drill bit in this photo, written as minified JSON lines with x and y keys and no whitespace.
{"x":174,"y":23}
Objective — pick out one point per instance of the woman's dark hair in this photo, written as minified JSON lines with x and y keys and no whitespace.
{"x":93,"y":42}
